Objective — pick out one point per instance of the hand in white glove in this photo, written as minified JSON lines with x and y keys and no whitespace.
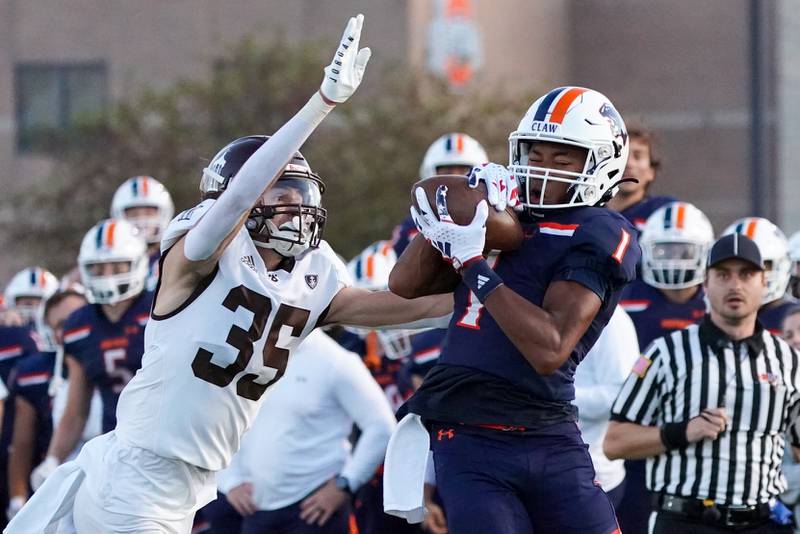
{"x":343,"y":75}
{"x":43,"y":471}
{"x":15,"y":504}
{"x":502,"y":187}
{"x":457,"y":244}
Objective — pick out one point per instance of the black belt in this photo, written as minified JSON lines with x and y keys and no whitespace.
{"x":706,"y":511}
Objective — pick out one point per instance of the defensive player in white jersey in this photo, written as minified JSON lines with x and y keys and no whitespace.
{"x":245,"y":277}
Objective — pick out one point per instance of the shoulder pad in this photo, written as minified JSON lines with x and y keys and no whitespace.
{"x":337,"y":263}
{"x":183,"y":222}
{"x":613,"y":240}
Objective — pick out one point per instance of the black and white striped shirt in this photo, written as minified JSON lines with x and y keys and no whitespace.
{"x":757,"y":381}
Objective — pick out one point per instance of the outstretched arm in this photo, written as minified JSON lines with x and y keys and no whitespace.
{"x":360,"y":307}
{"x":205,"y":242}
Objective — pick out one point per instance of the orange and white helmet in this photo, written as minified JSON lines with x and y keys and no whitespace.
{"x":452,"y":149}
{"x":31,"y":283}
{"x":144,"y":192}
{"x":774,"y":248}
{"x":113,"y":241}
{"x":370,"y":270}
{"x":675,"y":243}
{"x":578,"y":117}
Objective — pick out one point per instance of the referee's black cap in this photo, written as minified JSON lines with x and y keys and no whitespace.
{"x":735,"y":246}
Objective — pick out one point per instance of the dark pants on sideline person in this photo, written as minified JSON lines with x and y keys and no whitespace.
{"x":370,"y":517}
{"x":222,"y":517}
{"x":514,"y":483}
{"x":616,"y":494}
{"x":287,"y":521}
{"x":667,"y":523}
{"x":634,"y":509}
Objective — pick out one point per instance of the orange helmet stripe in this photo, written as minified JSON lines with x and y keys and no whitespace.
{"x":750,"y":231}
{"x":680,"y":216}
{"x":110,"y":226}
{"x":563,"y":104}
{"x":145,"y":185}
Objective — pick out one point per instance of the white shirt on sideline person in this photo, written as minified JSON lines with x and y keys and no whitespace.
{"x":299,"y":439}
{"x":598,"y":379}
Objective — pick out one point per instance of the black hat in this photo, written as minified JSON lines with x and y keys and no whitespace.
{"x":735,"y":246}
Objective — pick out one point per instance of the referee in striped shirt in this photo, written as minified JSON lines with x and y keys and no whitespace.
{"x":708,"y":407}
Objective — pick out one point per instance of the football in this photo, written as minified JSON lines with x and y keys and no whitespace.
{"x":503,"y":230}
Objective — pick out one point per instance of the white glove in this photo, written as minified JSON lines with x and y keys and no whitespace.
{"x":43,"y":471}
{"x":457,"y":244}
{"x":343,"y":75}
{"x":15,"y":504}
{"x":502,"y":187}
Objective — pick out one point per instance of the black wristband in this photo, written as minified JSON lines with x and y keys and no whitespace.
{"x":480,"y":278}
{"x":673,"y":435}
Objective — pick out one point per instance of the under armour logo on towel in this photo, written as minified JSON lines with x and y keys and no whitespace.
{"x":449,"y":434}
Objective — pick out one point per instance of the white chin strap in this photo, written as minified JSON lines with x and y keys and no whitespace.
{"x":288,"y":231}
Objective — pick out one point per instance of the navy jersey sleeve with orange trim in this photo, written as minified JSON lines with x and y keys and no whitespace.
{"x":77,"y":332}
{"x":602,"y":255}
{"x":15,"y":342}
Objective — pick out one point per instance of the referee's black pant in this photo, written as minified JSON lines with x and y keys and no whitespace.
{"x":668,"y":523}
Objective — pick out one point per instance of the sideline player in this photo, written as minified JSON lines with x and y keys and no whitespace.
{"x":500,"y":396}
{"x":33,"y":419}
{"x":452,"y":153}
{"x":144,"y":202}
{"x":774,"y":248}
{"x":632,"y":200}
{"x":103,"y":340}
{"x":26,"y":290}
{"x":245,"y":277}
{"x":669,"y":296}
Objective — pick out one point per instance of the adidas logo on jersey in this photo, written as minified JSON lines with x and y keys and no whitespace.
{"x":482,"y":280}
{"x":311,"y":280}
{"x":248,"y":260}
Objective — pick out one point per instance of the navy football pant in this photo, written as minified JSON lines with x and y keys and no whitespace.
{"x":370,"y":517}
{"x":222,"y":517}
{"x":634,"y":510}
{"x":287,"y":521}
{"x":508,"y":483}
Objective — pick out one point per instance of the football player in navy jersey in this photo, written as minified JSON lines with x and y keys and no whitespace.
{"x":774,"y":248}
{"x":33,"y":421}
{"x":452,"y":153}
{"x":103,"y":340}
{"x":508,"y":454}
{"x":144,"y":202}
{"x":669,"y":296}
{"x":632,"y":200}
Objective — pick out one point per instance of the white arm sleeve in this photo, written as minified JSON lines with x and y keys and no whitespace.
{"x":364,"y":401}
{"x":600,"y":376}
{"x":256,"y":175}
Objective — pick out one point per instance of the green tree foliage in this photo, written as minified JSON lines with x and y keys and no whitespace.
{"x":368,"y":151}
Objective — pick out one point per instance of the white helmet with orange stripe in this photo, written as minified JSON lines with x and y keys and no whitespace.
{"x":452,"y":150}
{"x":145,"y":202}
{"x":577,"y":117}
{"x":774,"y":248}
{"x":27,"y":289}
{"x":370,"y":270}
{"x":113,"y":261}
{"x":675,"y":242}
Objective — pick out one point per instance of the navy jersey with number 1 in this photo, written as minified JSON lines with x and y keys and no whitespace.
{"x":110,"y":353}
{"x":481,"y":377}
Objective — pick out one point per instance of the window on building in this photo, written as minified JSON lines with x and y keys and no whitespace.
{"x":51,"y":99}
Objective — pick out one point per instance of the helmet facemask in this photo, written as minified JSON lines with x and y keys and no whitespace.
{"x":295,"y":200}
{"x":673,"y":264}
{"x":584,"y":189}
{"x":116,"y":287}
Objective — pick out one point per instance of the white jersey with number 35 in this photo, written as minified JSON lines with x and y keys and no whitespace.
{"x":207,"y":364}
